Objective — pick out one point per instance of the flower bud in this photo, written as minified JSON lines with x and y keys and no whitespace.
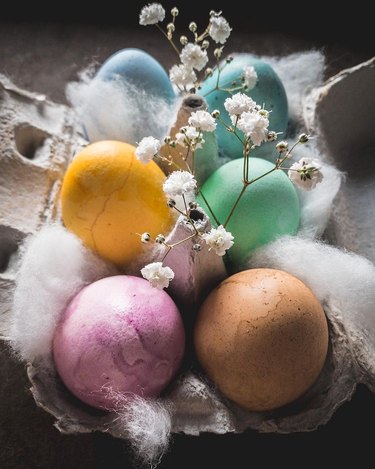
{"x":160,"y":239}
{"x":145,"y":237}
{"x":171,"y":203}
{"x":193,"y":27}
{"x":174,"y":12}
{"x":183,"y":40}
{"x":192,"y":205}
{"x":282,"y":146}
{"x":197,"y":247}
{"x":271,"y":136}
{"x":205,"y":44}
{"x":303,"y":138}
{"x":215,"y":114}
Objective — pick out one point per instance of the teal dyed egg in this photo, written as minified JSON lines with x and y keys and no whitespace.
{"x":269,"y":208}
{"x":130,"y":97}
{"x":268,"y":91}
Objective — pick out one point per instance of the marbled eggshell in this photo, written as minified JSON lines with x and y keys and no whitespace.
{"x":269,"y":208}
{"x":262,"y":337}
{"x":108,"y":196}
{"x":118,"y":336}
{"x":268,"y":91}
{"x":129,"y":98}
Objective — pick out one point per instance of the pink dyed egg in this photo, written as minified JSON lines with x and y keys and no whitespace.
{"x":118,"y":336}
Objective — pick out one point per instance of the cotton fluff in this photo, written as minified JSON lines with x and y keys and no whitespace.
{"x":299,"y":72}
{"x":344,"y":280}
{"x":147,"y":424}
{"x":118,"y":110}
{"x":55,"y":266}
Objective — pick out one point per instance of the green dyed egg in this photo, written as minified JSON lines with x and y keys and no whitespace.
{"x":269,"y":208}
{"x":268,"y":91}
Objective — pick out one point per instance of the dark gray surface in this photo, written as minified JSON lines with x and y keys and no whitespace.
{"x":43,"y":57}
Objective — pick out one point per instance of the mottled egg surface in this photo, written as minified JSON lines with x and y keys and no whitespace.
{"x":268,"y":92}
{"x":117,"y":337}
{"x":108,"y":196}
{"x":268,"y":209}
{"x":262,"y":337}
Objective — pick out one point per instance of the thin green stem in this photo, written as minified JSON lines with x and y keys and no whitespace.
{"x":169,"y":40}
{"x":235,"y":204}
{"x":209,"y":208}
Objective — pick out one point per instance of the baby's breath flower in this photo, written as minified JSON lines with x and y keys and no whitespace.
{"x":250,"y":77}
{"x":147,"y":148}
{"x":179,"y":183}
{"x":171,"y":203}
{"x":193,"y":56}
{"x":238,"y":104}
{"x":183,"y":40}
{"x":174,"y":12}
{"x":306,"y":173}
{"x":205,"y":44}
{"x":218,"y":239}
{"x":151,"y":14}
{"x":189,"y":136}
{"x":202,"y":120}
{"x":193,"y":27}
{"x":192,"y":205}
{"x":158,"y":275}
{"x":254,"y":126}
{"x":182,"y":76}
{"x":271,"y":136}
{"x":208,"y":72}
{"x":197,"y":247}
{"x":145,"y":237}
{"x":282,"y":146}
{"x":217,"y":52}
{"x":303,"y":138}
{"x":215,"y":114}
{"x":219,"y":29}
{"x":160,"y":239}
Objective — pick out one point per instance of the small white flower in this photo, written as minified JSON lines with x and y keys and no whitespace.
{"x":254,"y":126}
{"x":179,"y":183}
{"x":306,"y":173}
{"x":145,"y":237}
{"x":218,"y":239}
{"x":182,"y":76}
{"x":189,"y":136}
{"x":151,"y":14}
{"x":147,"y":148}
{"x":219,"y":29}
{"x":158,"y":276}
{"x":250,"y":77}
{"x":238,"y":104}
{"x":202,"y":120}
{"x":193,"y":56}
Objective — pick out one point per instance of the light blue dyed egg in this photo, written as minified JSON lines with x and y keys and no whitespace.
{"x":268,"y":91}
{"x":268,"y":209}
{"x":130,"y":97}
{"x":139,"y":68}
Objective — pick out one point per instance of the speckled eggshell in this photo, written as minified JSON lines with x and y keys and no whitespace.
{"x":268,"y":91}
{"x":118,"y":336}
{"x":268,"y":209}
{"x":262,"y":337}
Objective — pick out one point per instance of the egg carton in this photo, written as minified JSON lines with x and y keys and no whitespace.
{"x":38,"y":139}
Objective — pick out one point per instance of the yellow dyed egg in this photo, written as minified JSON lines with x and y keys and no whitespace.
{"x":108,"y":196}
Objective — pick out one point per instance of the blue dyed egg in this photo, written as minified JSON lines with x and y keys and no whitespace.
{"x":139,"y":68}
{"x":130,"y":97}
{"x":268,"y":91}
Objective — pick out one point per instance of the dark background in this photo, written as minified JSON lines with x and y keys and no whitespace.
{"x":41,"y":49}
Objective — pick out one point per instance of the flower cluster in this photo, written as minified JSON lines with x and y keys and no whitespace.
{"x":193,"y":48}
{"x":246,"y":117}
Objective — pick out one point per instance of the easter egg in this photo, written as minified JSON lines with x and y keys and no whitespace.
{"x":268,"y":92}
{"x":118,"y":336}
{"x":268,"y":208}
{"x":261,"y":336}
{"x":129,"y":98}
{"x":108,"y":196}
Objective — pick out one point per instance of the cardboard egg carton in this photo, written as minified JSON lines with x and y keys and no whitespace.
{"x":38,"y":140}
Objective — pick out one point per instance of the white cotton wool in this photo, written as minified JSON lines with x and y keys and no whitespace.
{"x":344,"y":280}
{"x":147,"y":424}
{"x":299,"y":72}
{"x":55,"y":266}
{"x":118,"y":110}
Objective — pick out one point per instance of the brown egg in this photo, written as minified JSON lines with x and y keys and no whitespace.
{"x":262,"y":337}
